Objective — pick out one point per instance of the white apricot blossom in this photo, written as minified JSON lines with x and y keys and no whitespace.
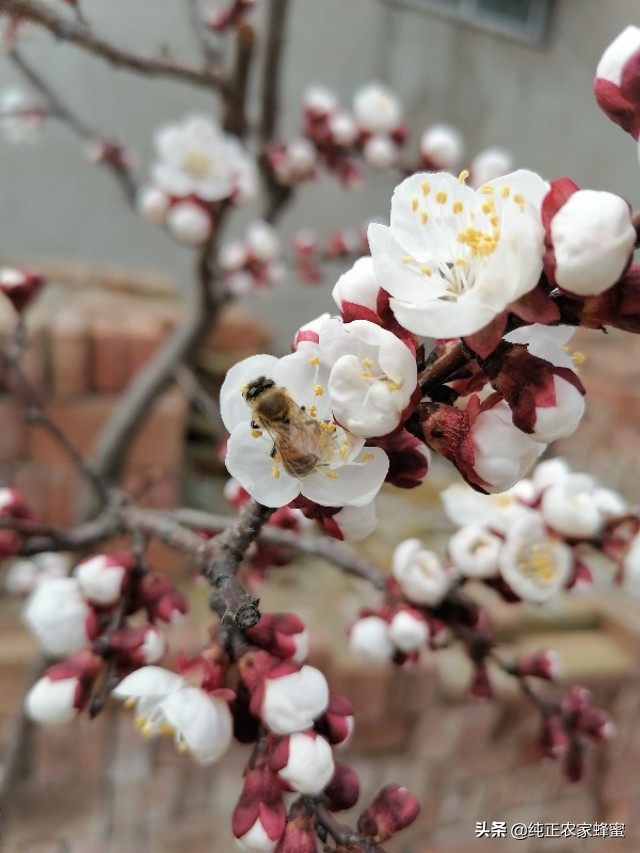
{"x":196,"y":158}
{"x":291,"y":702}
{"x":571,"y":507}
{"x":166,"y":703}
{"x":492,"y":163}
{"x":464,"y":506}
{"x":420,"y":573}
{"x":442,"y":146}
{"x":309,"y":454}
{"x":535,"y":565}
{"x":453,"y":258}
{"x":377,"y":109}
{"x":593,"y":239}
{"x":474,"y":551}
{"x":57,"y":613}
{"x":373,"y":376}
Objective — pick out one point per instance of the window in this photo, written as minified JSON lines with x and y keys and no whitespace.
{"x":523,"y":20}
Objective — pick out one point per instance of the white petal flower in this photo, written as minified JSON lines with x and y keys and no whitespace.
{"x":189,"y":223}
{"x":101,"y":578}
{"x":196,"y":158}
{"x":464,"y":505}
{"x":263,"y":241}
{"x":380,"y":151}
{"x":443,"y":146}
{"x":167,"y":704}
{"x":358,"y":286}
{"x":292,"y":702}
{"x":57,"y":613}
{"x":593,"y":240}
{"x":377,"y":109}
{"x":52,"y":701}
{"x":420,"y":573}
{"x":549,"y":472}
{"x":503,"y":453}
{"x":356,"y":522}
{"x":309,"y":455}
{"x":452,"y":258}
{"x":408,"y":631}
{"x":490,"y":164}
{"x":474,"y":551}
{"x":570,"y":507}
{"x":620,"y":50}
{"x":372,"y":379}
{"x":343,"y":128}
{"x":153,"y":204}
{"x":319,"y":100}
{"x":369,"y":637}
{"x":256,"y":840}
{"x":534,"y":565}
{"x":310,"y":766}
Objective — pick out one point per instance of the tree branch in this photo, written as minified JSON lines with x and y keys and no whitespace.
{"x":58,"y":109}
{"x":235,"y":119}
{"x":78,"y":33}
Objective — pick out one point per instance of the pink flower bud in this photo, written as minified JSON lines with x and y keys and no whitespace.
{"x":20,"y":286}
{"x":615,"y":86}
{"x":163,"y":603}
{"x":259,"y":817}
{"x":343,"y":790}
{"x":393,"y":809}
{"x":554,"y":739}
{"x":596,"y":723}
{"x":299,"y":835}
{"x":545,"y":664}
{"x":289,"y":701}
{"x":102,"y":577}
{"x":576,"y":701}
{"x":282,"y":634}
{"x":303,"y":761}
{"x":139,"y":646}
{"x":319,"y":101}
{"x":337,"y":723}
{"x":63,"y":691}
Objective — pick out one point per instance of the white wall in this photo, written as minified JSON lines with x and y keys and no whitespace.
{"x":536,"y":102}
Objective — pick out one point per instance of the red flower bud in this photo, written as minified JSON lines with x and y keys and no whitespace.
{"x":393,"y":809}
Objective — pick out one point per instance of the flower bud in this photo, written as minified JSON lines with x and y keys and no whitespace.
{"x":153,"y":204}
{"x":303,"y":761}
{"x":420,"y":573}
{"x":189,"y":222}
{"x":343,"y":790}
{"x":319,"y":101}
{"x":408,"y":631}
{"x":20,"y":286}
{"x":57,"y":614}
{"x":102,"y":577}
{"x":596,"y":723}
{"x":139,"y":646}
{"x":336,"y":724}
{"x":290,"y":701}
{"x":615,"y":86}
{"x":393,"y":809}
{"x":356,"y":291}
{"x":377,"y":109}
{"x":474,"y":551}
{"x":545,"y":664}
{"x":282,"y":634}
{"x":369,"y":637}
{"x":554,"y":739}
{"x":490,"y":164}
{"x":441,"y":148}
{"x":259,"y":817}
{"x":380,"y":151}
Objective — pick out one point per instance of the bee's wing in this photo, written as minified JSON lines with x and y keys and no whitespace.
{"x":302,"y":445}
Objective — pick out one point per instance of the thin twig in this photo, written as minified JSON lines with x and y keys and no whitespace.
{"x":78,"y":33}
{"x":56,"y":108}
{"x":235,"y":119}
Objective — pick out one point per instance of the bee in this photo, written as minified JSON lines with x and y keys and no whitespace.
{"x":300,"y":442}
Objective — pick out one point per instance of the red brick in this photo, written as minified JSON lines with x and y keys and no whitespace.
{"x":70,"y":353}
{"x":160,"y":441}
{"x":32,"y":479}
{"x":146,"y":332}
{"x":13,"y":433}
{"x":111,"y":352}
{"x":65,"y":492}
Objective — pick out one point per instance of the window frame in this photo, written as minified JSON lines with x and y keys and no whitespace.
{"x":533,"y":34}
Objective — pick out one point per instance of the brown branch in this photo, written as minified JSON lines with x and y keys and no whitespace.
{"x":235,"y":119}
{"x":445,"y":367}
{"x":58,"y":109}
{"x":78,"y":33}
{"x":136,"y":401}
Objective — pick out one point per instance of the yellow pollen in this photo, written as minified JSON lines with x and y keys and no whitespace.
{"x":519,"y":200}
{"x":426,"y":187}
{"x":166,"y":729}
{"x":318,"y":390}
{"x":536,"y":562}
{"x":343,"y":452}
{"x":504,"y":500}
{"x":441,"y":197}
{"x":314,"y":360}
{"x":480,"y":242}
{"x":424,"y":217}
{"x":367,"y":362}
{"x":129,"y":703}
{"x":244,"y":389}
{"x":578,"y":358}
{"x":462,"y":177}
{"x":313,"y":411}
{"x":256,"y":433}
{"x":486,"y":189}
{"x":504,"y":192}
{"x":367,"y":374}
{"x":426,"y":270}
{"x":457,"y":207}
{"x":147,"y":731}
{"x":332,"y":475}
{"x":393,"y":386}
{"x":414,"y":203}
{"x":461,"y":262}
{"x":407,"y":259}
{"x":367,"y":457}
{"x":275,"y":472}
{"x":488,"y":206}
{"x":494,"y":219}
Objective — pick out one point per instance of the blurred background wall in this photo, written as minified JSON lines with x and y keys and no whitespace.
{"x":535,"y":100}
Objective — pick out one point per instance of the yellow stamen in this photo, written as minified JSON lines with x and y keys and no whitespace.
{"x":485,"y":189}
{"x":140,"y":723}
{"x":426,"y":187}
{"x":343,"y":452}
{"x":332,"y":475}
{"x":414,"y":203}
{"x":314,"y":360}
{"x":407,"y":259}
{"x":578,"y":358}
{"x":275,"y":472}
{"x":426,"y":270}
{"x":457,"y":207}
{"x":424,"y":217}
{"x":244,"y":389}
{"x":318,"y":390}
{"x":441,"y":197}
{"x":537,"y":562}
{"x":129,"y":703}
{"x":367,"y":362}
{"x":367,"y":457}
{"x":461,"y":262}
{"x":182,"y":747}
{"x":504,"y":192}
{"x":462,"y":177}
{"x":313,"y":411}
{"x":256,"y":433}
{"x":147,"y":731}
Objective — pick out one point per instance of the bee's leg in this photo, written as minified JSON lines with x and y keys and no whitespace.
{"x":254,"y":425}
{"x":273,"y":452}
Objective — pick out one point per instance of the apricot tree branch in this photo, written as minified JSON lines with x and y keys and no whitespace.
{"x":78,"y":33}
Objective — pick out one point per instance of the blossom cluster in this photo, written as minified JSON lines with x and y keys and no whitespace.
{"x":198,"y":168}
{"x":84,"y":619}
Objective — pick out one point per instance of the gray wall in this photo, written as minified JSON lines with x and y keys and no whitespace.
{"x":537,"y":102}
